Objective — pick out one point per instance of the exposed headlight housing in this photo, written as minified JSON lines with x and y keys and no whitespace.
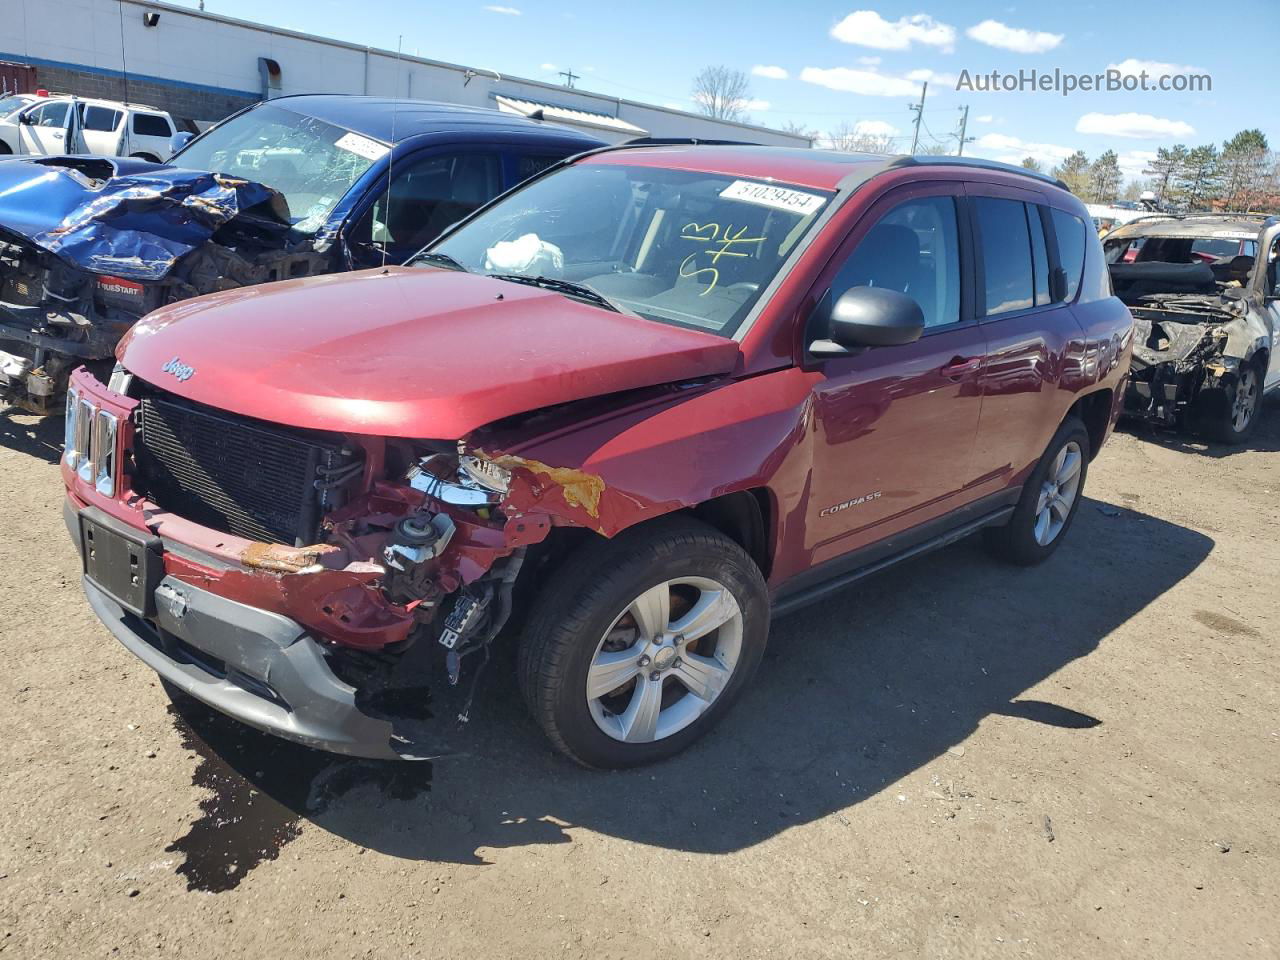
{"x":484,"y":473}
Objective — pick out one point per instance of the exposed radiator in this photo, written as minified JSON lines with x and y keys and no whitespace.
{"x":229,"y":473}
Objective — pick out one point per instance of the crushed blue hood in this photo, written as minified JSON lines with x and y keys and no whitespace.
{"x":121,"y":216}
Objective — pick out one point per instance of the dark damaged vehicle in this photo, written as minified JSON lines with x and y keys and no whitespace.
{"x":623,"y":412}
{"x":288,"y":188}
{"x":1206,"y":305}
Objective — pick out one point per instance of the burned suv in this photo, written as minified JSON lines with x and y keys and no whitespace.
{"x":290,"y":187}
{"x":1204,"y":295}
{"x":621,"y":414}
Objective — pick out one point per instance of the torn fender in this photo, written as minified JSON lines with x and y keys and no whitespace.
{"x":128,"y":219}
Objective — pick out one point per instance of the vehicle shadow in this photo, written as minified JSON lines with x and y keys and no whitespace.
{"x":27,"y":433}
{"x":1265,"y":439}
{"x":853,"y":695}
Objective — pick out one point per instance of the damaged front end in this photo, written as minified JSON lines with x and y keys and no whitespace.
{"x":380,"y":561}
{"x":1182,"y":347}
{"x":89,"y":245}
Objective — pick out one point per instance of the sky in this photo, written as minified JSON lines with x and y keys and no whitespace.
{"x":824,"y":64}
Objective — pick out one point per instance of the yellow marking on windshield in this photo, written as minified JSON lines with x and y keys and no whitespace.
{"x":719,"y":241}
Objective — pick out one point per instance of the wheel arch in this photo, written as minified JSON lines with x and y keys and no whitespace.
{"x":1094,"y":411}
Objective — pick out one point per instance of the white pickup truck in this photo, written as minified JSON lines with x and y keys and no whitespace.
{"x":59,"y":124}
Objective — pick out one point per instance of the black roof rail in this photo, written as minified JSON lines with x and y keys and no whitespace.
{"x":684,"y":142}
{"x":980,"y":164}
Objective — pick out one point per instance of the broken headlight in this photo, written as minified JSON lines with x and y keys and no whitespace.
{"x":484,"y":472}
{"x":445,"y":477}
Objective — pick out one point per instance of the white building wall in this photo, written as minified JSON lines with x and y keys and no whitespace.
{"x":215,"y":58}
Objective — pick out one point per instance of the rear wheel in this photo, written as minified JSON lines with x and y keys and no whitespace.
{"x":1231,"y":415}
{"x":5,"y":149}
{"x":641,"y":644}
{"x":1049,"y":501}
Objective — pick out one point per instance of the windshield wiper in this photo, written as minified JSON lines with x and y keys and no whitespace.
{"x":567,"y":287}
{"x":438,"y":259}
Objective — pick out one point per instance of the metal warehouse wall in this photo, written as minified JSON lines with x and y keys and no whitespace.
{"x":201,"y":66}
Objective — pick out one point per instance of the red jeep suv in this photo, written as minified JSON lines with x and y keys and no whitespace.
{"x":626,"y":412}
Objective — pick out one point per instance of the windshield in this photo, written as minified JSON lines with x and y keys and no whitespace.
{"x":690,"y":249}
{"x":11,"y":105}
{"x":311,"y":162}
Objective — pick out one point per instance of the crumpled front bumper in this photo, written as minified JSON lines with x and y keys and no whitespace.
{"x":258,"y":667}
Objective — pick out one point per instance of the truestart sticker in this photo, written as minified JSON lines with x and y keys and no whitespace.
{"x":767,"y":195}
{"x":360,"y":146}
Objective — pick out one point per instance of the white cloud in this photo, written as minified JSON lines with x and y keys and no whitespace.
{"x":1138,"y":126}
{"x":550,"y":67}
{"x":866,"y":28}
{"x":1132,"y":66}
{"x":509,"y":11}
{"x":939,"y":79}
{"x":996,"y":34}
{"x":869,"y":61}
{"x":1007,"y":149}
{"x":866,"y":82}
{"x":875,"y":128}
{"x":1133,"y":162}
{"x":768,"y":72}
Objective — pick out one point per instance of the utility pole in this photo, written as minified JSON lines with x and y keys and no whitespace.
{"x":918,"y":109}
{"x":569,"y":77}
{"x":964,"y":125}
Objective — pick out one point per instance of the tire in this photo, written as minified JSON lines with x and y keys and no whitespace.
{"x":586,"y":611}
{"x":5,"y":149}
{"x":1018,"y":541}
{"x":1220,"y":414}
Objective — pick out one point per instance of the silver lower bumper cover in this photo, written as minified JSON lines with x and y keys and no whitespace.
{"x":257,"y":667}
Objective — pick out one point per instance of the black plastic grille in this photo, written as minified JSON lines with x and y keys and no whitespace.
{"x":230,"y":474}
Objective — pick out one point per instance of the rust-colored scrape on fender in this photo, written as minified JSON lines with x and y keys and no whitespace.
{"x":277,"y":558}
{"x":580,"y":489}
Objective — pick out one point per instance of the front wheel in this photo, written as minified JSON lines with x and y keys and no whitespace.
{"x":641,"y":644}
{"x":1230,"y":416}
{"x":1049,"y":500}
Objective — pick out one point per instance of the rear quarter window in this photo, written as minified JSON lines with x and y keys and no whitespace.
{"x":150,"y":125}
{"x":1071,"y":237}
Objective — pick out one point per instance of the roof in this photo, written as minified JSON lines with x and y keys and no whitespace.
{"x":394,"y":121}
{"x":1243,"y":225}
{"x":818,"y":169}
{"x":581,"y":118}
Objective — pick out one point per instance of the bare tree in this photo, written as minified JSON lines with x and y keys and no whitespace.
{"x":800,"y":130}
{"x":722,"y":93}
{"x":847,"y":138}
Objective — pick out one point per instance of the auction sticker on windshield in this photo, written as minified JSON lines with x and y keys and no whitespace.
{"x":780,"y":198}
{"x":361,"y":146}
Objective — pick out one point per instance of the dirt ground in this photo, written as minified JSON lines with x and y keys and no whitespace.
{"x":954,"y":759}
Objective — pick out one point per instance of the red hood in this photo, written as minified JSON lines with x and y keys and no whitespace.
{"x":408,"y":352}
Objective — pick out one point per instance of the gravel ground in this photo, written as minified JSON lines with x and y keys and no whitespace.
{"x":954,"y":759}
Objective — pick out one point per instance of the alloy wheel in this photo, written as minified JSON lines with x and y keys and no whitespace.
{"x":665,"y":659}
{"x":1058,"y":493}
{"x":1246,"y":399}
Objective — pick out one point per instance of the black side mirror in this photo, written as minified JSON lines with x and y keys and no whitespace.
{"x":179,"y":140}
{"x":868,"y":317}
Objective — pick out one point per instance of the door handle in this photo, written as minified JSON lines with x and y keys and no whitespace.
{"x":958,"y":367}
{"x":57,"y":136}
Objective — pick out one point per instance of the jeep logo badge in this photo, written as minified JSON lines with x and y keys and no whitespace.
{"x":178,"y":369}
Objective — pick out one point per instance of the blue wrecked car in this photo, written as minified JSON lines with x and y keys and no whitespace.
{"x":290,"y":187}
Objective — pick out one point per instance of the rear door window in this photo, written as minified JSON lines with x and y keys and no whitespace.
{"x":1070,"y":232}
{"x":150,"y":125}
{"x":100,"y":119}
{"x":1005,"y":243}
{"x":912,"y":249}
